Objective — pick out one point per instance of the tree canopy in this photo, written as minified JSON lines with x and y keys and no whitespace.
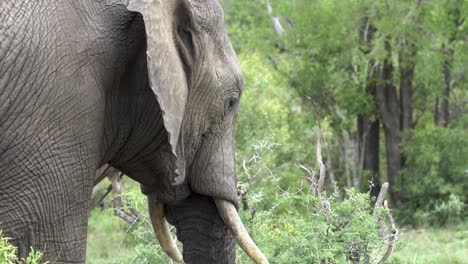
{"x":388,"y":78}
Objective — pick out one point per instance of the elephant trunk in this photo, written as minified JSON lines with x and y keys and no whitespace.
{"x":205,"y":237}
{"x":201,"y":226}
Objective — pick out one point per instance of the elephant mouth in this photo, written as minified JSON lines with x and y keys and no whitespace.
{"x":228,"y":214}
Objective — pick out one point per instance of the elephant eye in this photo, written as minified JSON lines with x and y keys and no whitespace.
{"x":231,"y":104}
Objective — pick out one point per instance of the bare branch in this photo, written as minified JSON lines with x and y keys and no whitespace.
{"x":101,"y":173}
{"x":279,"y":29}
{"x":393,"y":238}
{"x":322,"y":170}
{"x":330,"y":169}
{"x":311,"y":178}
{"x":247,"y":172}
{"x":117,"y":201}
{"x":109,"y":189}
{"x":380,"y":200}
{"x":105,"y":171}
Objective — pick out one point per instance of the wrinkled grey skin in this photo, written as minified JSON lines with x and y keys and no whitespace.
{"x":75,"y":94}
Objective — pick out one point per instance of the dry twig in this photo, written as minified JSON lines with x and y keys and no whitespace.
{"x":116,"y":189}
{"x":392,"y":238}
{"x":101,"y":173}
{"x":322,"y":170}
{"x":275,"y":20}
{"x":380,"y":200}
{"x":117,"y":201}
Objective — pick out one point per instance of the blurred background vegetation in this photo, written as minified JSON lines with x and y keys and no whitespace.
{"x":389,"y":81}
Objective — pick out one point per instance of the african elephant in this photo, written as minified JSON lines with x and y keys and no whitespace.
{"x":150,"y":87}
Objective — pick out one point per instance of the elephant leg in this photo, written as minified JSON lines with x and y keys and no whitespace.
{"x":45,"y":189}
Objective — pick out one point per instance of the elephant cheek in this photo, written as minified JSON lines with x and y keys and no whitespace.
{"x":213,"y":171}
{"x":159,"y":179}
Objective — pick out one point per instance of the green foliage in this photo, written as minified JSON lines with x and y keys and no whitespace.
{"x":435,"y":177}
{"x":297,"y":228}
{"x":448,"y":212}
{"x":326,"y":56}
{"x":324,"y":230}
{"x":9,"y":253}
{"x":34,"y":257}
{"x":111,"y":240}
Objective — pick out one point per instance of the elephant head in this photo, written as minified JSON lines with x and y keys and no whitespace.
{"x":195,"y":76}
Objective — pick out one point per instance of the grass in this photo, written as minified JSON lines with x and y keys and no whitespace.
{"x":433,"y":245}
{"x":107,"y":241}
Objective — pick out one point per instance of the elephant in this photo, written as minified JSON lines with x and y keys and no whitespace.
{"x":150,"y":87}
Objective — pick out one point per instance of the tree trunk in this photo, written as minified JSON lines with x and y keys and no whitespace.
{"x":436,"y":112}
{"x":387,"y":101}
{"x":345,"y":158}
{"x":406,"y":90}
{"x":445,"y":114}
{"x":371,"y":156}
{"x":448,"y":51}
{"x":368,"y":132}
{"x":407,"y":64}
{"x":357,"y":158}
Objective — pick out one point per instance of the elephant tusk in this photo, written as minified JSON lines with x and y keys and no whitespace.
{"x":231,"y":218}
{"x":161,"y":228}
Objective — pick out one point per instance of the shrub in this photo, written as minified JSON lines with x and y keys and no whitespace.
{"x":324,"y":230}
{"x":9,"y":253}
{"x":447,"y":212}
{"x":434,"y":179}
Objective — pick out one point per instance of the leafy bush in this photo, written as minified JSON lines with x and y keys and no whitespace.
{"x":448,"y":212}
{"x":9,"y":253}
{"x":297,"y":228}
{"x":434,"y":180}
{"x":324,"y":230}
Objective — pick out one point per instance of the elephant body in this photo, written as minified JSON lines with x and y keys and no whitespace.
{"x":76,"y":92}
{"x":66,"y":106}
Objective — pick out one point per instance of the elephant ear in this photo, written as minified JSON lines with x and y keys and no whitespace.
{"x":166,"y":73}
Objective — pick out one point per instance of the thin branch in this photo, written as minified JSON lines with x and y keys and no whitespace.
{"x":105,"y":171}
{"x":393,"y":238}
{"x":322,"y":170}
{"x":380,"y":200}
{"x":311,"y":178}
{"x":329,"y":166}
{"x":117,"y":201}
{"x":101,"y":173}
{"x":109,"y":189}
{"x":247,"y":172}
{"x":279,"y":29}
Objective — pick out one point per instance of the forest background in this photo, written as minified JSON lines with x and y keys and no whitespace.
{"x":386,"y":83}
{"x":344,"y":100}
